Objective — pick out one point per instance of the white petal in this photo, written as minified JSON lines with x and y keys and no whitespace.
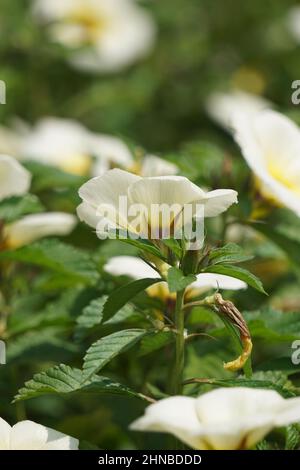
{"x":155,"y":166}
{"x":109,"y":149}
{"x":289,"y":412}
{"x":27,"y":435}
{"x":270,"y":144}
{"x":175,"y":415}
{"x":14,"y":179}
{"x":129,"y":266}
{"x":5,"y":430}
{"x":103,"y":193}
{"x":217,"y":281}
{"x":222,"y":107}
{"x":239,"y":416}
{"x":88,"y":214}
{"x":35,"y":226}
{"x":164,"y":197}
{"x":59,"y":142}
{"x":218,"y":201}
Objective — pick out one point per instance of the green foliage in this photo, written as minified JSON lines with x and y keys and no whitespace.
{"x":13,"y":208}
{"x":59,"y":257}
{"x":237,"y":272}
{"x":63,"y":379}
{"x":178,"y":281}
{"x":125,"y":293}
{"x":105,"y":349}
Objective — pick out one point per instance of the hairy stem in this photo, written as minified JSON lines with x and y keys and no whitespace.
{"x":179,"y":345}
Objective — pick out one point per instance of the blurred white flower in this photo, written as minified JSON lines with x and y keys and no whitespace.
{"x":222,"y":107}
{"x":68,"y":145}
{"x":9,"y":142}
{"x":223,"y":419}
{"x":59,"y":142}
{"x":138,"y":269}
{"x":293,"y":22}
{"x":270,"y":143}
{"x":35,"y":226}
{"x":14,"y":179}
{"x":27,"y":435}
{"x":101,"y":202}
{"x":112,"y":33}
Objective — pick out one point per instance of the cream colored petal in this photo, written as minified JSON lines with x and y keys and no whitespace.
{"x":59,"y":142}
{"x":27,"y":435}
{"x":237,"y":417}
{"x":155,"y":166}
{"x":14,"y":179}
{"x":221,"y":107}
{"x":88,"y":214}
{"x":218,"y":201}
{"x":103,"y":193}
{"x":111,"y":150}
{"x":270,"y":143}
{"x":35,"y":226}
{"x":217,"y":281}
{"x":5,"y":430}
{"x":289,"y":412}
{"x":164,"y":198}
{"x":129,"y":266}
{"x":174,"y":415}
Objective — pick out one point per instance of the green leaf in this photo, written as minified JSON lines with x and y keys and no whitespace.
{"x":15,"y":207}
{"x":105,"y":349}
{"x":59,"y":257}
{"x":251,"y":383}
{"x":178,"y":281}
{"x":154,"y":341}
{"x":125,"y":293}
{"x":230,"y":253}
{"x":49,"y":177}
{"x":273,"y":325}
{"x":283,"y":229}
{"x":63,"y":379}
{"x":92,"y":315}
{"x":292,"y":439}
{"x":144,"y":246}
{"x":239,"y":273}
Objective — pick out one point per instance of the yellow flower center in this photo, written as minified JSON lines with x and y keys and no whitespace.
{"x":76,"y":164}
{"x":280,"y":175}
{"x":90,"y":20}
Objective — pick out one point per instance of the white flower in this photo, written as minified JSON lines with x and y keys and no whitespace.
{"x":27,"y":435}
{"x":223,"y":419}
{"x":101,"y":202}
{"x":270,"y":143}
{"x":35,"y":226}
{"x":112,"y":33}
{"x":14,"y":179}
{"x":68,"y":145}
{"x":59,"y":142}
{"x":155,"y":166}
{"x":222,"y":107}
{"x":138,"y":269}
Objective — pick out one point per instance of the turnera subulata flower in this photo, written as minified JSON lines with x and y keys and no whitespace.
{"x":223,"y":419}
{"x":270,"y":143}
{"x":66,"y":144}
{"x":14,"y":179}
{"x":103,"y":35}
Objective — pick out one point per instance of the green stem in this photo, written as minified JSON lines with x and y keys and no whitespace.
{"x":179,"y":344}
